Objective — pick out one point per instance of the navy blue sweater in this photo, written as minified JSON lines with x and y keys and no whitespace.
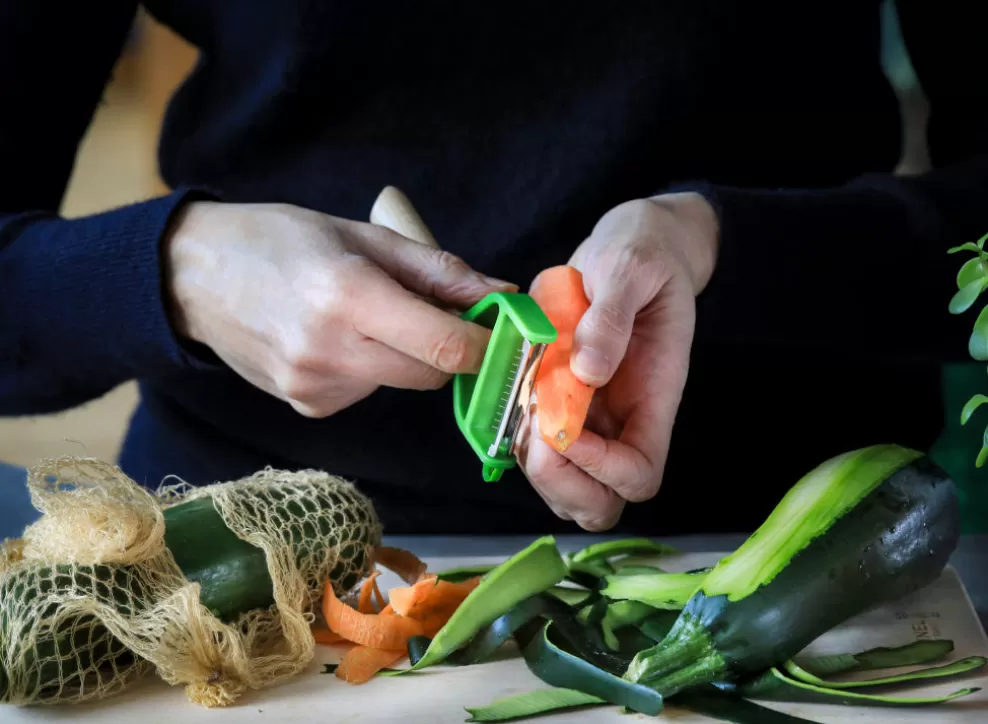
{"x":513,"y":126}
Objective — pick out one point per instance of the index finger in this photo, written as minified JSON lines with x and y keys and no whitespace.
{"x":389,"y":313}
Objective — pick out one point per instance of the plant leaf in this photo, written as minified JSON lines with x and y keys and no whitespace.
{"x":983,"y":453}
{"x":967,"y":295}
{"x":980,"y":243}
{"x":977,"y":345}
{"x":967,"y":246}
{"x":971,"y":405}
{"x":972,"y":269}
{"x":531,"y":703}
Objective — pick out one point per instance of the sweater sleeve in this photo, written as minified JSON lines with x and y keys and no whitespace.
{"x":862,"y":270}
{"x":81,"y":302}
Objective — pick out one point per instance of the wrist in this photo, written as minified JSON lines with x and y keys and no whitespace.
{"x":183,"y":261}
{"x":699,"y":227}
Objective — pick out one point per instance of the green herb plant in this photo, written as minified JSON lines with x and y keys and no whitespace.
{"x":972,"y":280}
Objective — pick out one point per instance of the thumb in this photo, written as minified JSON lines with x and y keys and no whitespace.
{"x":427,"y":270}
{"x":601,"y":338}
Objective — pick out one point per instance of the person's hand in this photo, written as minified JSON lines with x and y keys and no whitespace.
{"x":643,"y":265}
{"x":319,"y":311}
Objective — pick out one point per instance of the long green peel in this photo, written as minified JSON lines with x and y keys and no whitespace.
{"x":557,"y":667}
{"x":808,"y":510}
{"x":774,"y":685}
{"x":530,"y":571}
{"x":668,"y":591}
{"x":956,"y":668}
{"x":883,"y":657}
{"x":622,"y":547}
{"x":532,"y":703}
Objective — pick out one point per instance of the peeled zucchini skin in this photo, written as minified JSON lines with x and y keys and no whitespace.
{"x":896,"y":540}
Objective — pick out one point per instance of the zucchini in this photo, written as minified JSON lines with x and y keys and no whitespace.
{"x":73,"y":655}
{"x":865,"y":527}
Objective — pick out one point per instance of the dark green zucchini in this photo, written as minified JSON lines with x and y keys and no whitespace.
{"x":232,"y":574}
{"x":861,"y":529}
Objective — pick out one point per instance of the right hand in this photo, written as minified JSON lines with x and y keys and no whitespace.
{"x":317,"y":310}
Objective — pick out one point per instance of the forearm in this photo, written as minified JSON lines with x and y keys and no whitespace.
{"x":83,"y":305}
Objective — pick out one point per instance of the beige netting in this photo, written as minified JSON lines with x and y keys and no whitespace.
{"x":92,"y":598}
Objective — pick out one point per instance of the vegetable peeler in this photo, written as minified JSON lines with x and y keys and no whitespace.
{"x":489,"y":405}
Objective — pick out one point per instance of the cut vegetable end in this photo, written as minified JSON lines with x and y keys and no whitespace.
{"x":685,"y":657}
{"x":807,"y":511}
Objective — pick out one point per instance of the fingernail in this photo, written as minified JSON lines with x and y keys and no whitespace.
{"x":591,"y":364}
{"x":499,"y":283}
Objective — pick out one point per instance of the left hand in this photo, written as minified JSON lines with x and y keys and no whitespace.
{"x":643,"y":265}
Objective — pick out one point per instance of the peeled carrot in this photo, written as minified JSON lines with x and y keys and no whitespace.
{"x":561,"y":400}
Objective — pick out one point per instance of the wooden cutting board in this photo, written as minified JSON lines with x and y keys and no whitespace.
{"x":438,"y":696}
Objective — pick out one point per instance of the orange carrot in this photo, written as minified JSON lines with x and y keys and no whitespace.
{"x":384,"y":630}
{"x":561,"y":400}
{"x":406,"y":564}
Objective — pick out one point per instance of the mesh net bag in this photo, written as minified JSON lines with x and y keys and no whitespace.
{"x":92,"y":598}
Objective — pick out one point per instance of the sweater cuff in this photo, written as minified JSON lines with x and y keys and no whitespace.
{"x":109,"y":291}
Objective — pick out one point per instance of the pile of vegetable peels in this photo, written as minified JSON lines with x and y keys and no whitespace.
{"x":608,"y":625}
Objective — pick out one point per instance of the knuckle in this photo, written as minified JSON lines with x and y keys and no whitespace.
{"x":297,"y":384}
{"x":610,"y":319}
{"x":596,"y":524}
{"x":307,"y":410}
{"x":450,"y":352}
{"x":449,"y":264}
{"x":639,"y":489}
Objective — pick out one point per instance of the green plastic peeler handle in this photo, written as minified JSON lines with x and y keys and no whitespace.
{"x":479,"y":401}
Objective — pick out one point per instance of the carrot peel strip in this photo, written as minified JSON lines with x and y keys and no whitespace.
{"x":381,"y":630}
{"x":360,"y":664}
{"x":404,"y":598}
{"x":405,"y":564}
{"x":365,"y":604}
